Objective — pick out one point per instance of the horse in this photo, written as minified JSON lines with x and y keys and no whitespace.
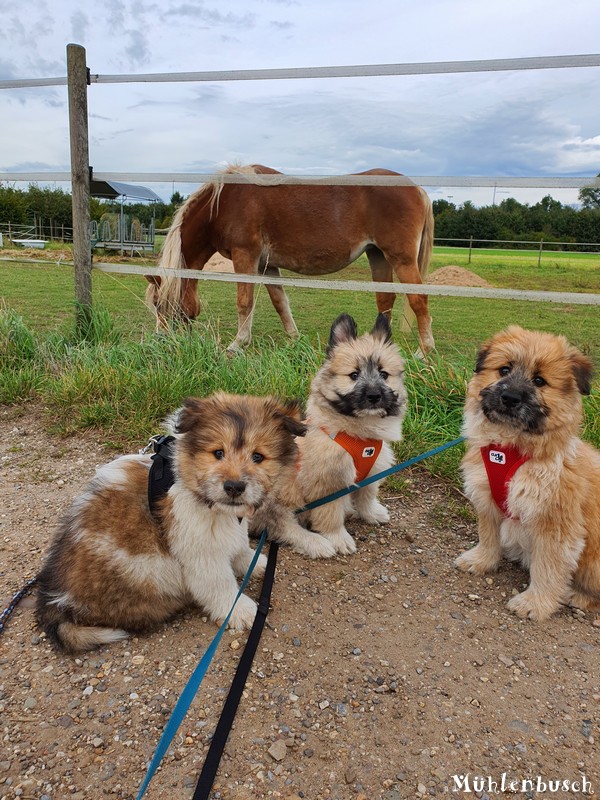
{"x":309,"y":229}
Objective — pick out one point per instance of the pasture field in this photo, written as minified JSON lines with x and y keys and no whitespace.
{"x":123,"y":379}
{"x":43,"y":295}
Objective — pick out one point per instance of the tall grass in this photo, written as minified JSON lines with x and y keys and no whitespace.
{"x":92,"y":379}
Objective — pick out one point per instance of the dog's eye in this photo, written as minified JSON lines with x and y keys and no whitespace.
{"x":504,"y":370}
{"x":539,"y":381}
{"x":257,"y":458}
{"x":384,"y":375}
{"x":354,"y":376}
{"x":219,"y":454}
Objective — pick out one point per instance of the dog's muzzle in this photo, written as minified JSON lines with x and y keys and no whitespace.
{"x":514,"y":404}
{"x":234,"y":489}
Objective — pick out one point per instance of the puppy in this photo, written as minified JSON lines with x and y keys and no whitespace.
{"x":355,"y":409}
{"x":540,"y":504}
{"x":116,"y":567}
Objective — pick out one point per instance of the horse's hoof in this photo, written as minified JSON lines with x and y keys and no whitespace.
{"x":234,"y":349}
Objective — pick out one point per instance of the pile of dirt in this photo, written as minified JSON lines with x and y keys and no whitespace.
{"x":35,"y":253}
{"x":380,"y":676}
{"x":455,"y":276}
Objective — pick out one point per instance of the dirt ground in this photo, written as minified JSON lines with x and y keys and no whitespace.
{"x":380,"y":676}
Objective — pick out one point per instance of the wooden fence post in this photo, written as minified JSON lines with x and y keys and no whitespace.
{"x":77,"y":77}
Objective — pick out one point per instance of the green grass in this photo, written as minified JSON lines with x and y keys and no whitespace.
{"x":122,"y":379}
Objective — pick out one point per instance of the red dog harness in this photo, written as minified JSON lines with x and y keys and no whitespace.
{"x":501,"y":463}
{"x":364,"y":452}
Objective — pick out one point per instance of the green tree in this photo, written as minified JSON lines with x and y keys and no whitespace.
{"x":589,"y":196}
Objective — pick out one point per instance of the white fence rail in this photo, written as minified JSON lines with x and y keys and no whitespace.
{"x":79,"y":77}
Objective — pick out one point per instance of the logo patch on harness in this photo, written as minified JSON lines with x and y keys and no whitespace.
{"x":500,"y":466}
{"x":368,"y":452}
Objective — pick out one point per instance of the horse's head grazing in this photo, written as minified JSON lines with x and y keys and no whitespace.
{"x":186,"y":310}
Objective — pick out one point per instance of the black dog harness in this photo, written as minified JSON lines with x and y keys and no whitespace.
{"x":161,"y":476}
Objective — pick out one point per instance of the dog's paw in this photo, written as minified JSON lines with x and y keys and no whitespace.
{"x":243,"y":614}
{"x":260,"y":566}
{"x":375,"y":513}
{"x":532,"y":605}
{"x":314,"y":545}
{"x":343,"y":543}
{"x":477,"y":561}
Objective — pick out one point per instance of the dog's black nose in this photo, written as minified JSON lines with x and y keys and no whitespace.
{"x":510,"y":397}
{"x":373,"y":396}
{"x":234,"y":488}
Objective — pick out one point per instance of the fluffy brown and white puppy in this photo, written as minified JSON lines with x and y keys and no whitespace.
{"x":355,"y":409}
{"x":522,"y":417}
{"x":115,"y":568}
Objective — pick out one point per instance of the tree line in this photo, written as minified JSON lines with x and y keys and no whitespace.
{"x":24,"y":206}
{"x":547,"y":221}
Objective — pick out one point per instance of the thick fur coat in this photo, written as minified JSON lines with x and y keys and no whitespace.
{"x":116,"y":568}
{"x":359,"y":391}
{"x":526,"y":394}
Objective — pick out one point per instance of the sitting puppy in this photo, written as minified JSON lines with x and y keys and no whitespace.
{"x":534,"y":483}
{"x":355,"y":409}
{"x":117,"y":567}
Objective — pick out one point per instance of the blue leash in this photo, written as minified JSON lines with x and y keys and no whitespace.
{"x":380,"y":475}
{"x":193,"y":684}
{"x":17,"y":596}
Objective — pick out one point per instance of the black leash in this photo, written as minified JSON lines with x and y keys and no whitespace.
{"x":219,"y":740}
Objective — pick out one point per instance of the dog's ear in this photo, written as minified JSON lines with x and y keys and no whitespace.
{"x":290,"y":415}
{"x":343,"y":330}
{"x":481,"y":357}
{"x":582,"y":370}
{"x":188,"y":414}
{"x":382,"y":329}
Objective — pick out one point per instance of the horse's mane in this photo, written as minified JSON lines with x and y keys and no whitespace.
{"x":210,"y":193}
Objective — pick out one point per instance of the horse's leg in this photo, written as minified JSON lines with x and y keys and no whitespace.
{"x":245,"y":264}
{"x":408,"y":272}
{"x":281,"y":304}
{"x":381,"y":272}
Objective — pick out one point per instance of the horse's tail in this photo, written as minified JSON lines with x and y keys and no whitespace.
{"x":167,"y":297}
{"x":423,"y":257}
{"x":426,"y":246}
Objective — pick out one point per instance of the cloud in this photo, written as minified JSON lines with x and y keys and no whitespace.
{"x":212,"y":16}
{"x":137,"y":47}
{"x":79,"y":26}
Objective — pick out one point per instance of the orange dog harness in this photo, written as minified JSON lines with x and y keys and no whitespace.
{"x":364,"y":452}
{"x":501,"y":463}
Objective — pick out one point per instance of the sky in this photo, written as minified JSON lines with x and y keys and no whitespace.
{"x":535,"y":123}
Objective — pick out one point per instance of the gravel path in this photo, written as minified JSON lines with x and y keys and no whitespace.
{"x":380,"y":676}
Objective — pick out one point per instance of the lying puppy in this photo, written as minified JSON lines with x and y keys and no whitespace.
{"x":115,"y":567}
{"x":534,"y":483}
{"x":355,"y":409}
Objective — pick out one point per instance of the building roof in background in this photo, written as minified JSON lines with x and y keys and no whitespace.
{"x":113,"y":189}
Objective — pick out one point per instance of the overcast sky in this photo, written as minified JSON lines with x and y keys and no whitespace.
{"x":543,"y":123}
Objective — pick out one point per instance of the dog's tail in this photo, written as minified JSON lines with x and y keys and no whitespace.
{"x":68,"y":635}
{"x":73,"y":638}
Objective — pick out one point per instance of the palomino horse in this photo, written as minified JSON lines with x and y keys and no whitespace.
{"x":310,"y":229}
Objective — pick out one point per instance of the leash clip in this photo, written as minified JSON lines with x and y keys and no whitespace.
{"x":152,"y":442}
